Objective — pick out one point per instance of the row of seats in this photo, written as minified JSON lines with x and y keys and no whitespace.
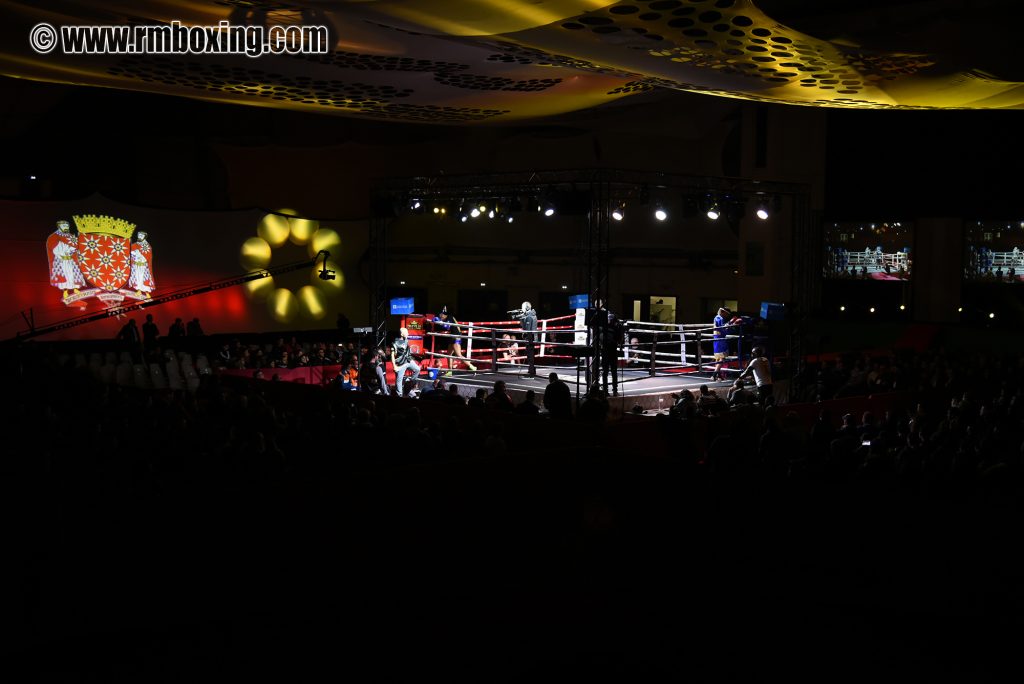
{"x":178,"y":371}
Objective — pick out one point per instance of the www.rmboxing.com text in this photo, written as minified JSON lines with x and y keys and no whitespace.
{"x":175,"y":38}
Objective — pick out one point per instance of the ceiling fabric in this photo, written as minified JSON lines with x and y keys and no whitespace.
{"x":483,"y":61}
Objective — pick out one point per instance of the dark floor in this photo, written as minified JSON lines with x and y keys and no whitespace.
{"x":557,"y":566}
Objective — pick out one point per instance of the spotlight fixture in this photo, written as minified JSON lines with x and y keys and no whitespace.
{"x":463,"y":218}
{"x":401,"y":282}
{"x":483,"y":284}
{"x":714,"y":212}
{"x":762,"y":210}
{"x":510,"y":218}
{"x":842,"y":308}
{"x":872,"y":309}
{"x":437,"y":210}
{"x":565,"y":287}
{"x":619,"y":212}
{"x":992,"y":315}
{"x":549,"y":209}
{"x":660,"y":213}
{"x":490,"y":214}
{"x":903,"y":307}
{"x":959,"y":309}
{"x":475,"y":212}
{"x":416,"y":204}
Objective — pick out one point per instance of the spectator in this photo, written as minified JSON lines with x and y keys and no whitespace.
{"x":454,"y":397}
{"x":176,"y":330}
{"x":194,"y":329}
{"x":150,"y":333}
{"x":528,"y":407}
{"x":478,"y":399}
{"x":557,"y":398}
{"x":499,"y":398}
{"x":739,"y":394}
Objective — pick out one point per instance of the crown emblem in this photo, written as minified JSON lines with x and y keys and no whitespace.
{"x":91,"y":223}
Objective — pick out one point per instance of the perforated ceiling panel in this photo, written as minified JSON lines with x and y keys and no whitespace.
{"x":452,"y":61}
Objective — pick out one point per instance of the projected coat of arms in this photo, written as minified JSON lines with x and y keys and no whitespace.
{"x":100,"y":260}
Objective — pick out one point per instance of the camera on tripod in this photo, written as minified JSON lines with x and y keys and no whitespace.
{"x":516,"y":313}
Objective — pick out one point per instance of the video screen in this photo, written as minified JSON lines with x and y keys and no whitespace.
{"x":403,"y":305}
{"x":580,"y":301}
{"x":994,"y":251}
{"x":868,"y":251}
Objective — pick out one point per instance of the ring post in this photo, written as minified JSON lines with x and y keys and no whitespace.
{"x":700,"y":355}
{"x":494,"y":350}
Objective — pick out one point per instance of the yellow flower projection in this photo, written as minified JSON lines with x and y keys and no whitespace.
{"x":275,"y":230}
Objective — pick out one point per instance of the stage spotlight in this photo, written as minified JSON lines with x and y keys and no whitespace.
{"x":475,"y":212}
{"x":842,"y":308}
{"x":401,"y":282}
{"x":903,"y":307}
{"x":483,"y":284}
{"x":619,"y":212}
{"x":991,"y":315}
{"x":482,"y":207}
{"x":510,"y":218}
{"x":549,"y":209}
{"x":437,"y":210}
{"x":959,"y":309}
{"x":463,"y":218}
{"x":872,"y":309}
{"x":714,"y":212}
{"x":444,"y":210}
{"x":660,"y":213}
{"x":416,"y":204}
{"x":762,"y":210}
{"x":565,"y":287}
{"x":490,"y":214}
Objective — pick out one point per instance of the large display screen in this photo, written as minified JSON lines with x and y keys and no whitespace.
{"x":994,"y":251}
{"x":868,"y":251}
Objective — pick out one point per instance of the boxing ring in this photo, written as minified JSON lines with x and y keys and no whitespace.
{"x":653,"y":360}
{"x":872,"y":261}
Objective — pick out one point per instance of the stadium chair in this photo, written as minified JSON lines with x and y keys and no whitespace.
{"x":95,"y":359}
{"x":156,"y":376}
{"x":202,"y":365}
{"x":184,"y":357}
{"x":140,"y":375}
{"x":174,"y":379}
{"x":125,"y":357}
{"x":123,"y":373}
{"x":80,"y":361}
{"x":110,"y":358}
{"x":107,"y":373}
{"x":173,"y":373}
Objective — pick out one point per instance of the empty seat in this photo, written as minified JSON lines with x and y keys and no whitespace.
{"x":125,"y":357}
{"x":202,"y":365}
{"x":80,"y":361}
{"x":107,"y":372}
{"x":192,"y":383}
{"x":109,"y":358}
{"x":156,"y":376}
{"x":123,"y":374}
{"x":173,"y":372}
{"x":140,"y":375}
{"x":95,"y":359}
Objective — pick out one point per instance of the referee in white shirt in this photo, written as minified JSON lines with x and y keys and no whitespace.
{"x":761,"y":368}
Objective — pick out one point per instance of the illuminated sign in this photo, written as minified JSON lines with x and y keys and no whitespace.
{"x":100,"y":260}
